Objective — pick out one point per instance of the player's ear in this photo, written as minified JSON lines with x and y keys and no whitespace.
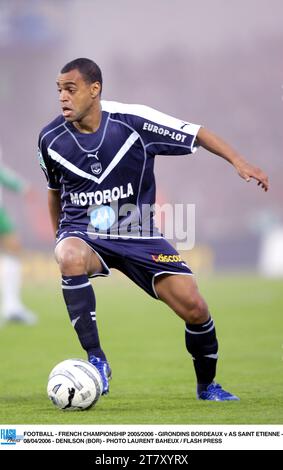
{"x":95,"y":89}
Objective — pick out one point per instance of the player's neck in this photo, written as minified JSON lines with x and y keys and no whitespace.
{"x":91,"y":122}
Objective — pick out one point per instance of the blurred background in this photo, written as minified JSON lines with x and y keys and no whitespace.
{"x":216,"y":63}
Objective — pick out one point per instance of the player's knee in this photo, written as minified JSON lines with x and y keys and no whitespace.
{"x":195,"y":310}
{"x":71,"y":261}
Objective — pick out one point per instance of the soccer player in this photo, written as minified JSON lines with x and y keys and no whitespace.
{"x":12,"y":308}
{"x":98,"y":157}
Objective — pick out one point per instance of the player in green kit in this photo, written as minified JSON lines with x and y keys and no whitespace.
{"x":12,"y":308}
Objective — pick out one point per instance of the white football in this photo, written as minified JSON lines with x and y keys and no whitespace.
{"x":74,"y":384}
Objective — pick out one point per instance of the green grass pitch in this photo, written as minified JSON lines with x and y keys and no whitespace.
{"x":153,"y":379}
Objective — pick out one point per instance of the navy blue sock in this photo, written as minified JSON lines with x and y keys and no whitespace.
{"x":80,"y":301}
{"x":201,"y":343}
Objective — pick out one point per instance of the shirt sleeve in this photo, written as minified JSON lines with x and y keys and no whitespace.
{"x":52,"y":176}
{"x":163,"y":134}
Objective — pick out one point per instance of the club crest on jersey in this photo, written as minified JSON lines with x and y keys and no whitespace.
{"x":96,"y":168}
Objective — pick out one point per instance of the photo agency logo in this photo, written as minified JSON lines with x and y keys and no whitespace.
{"x":176,"y":222}
{"x":9,"y":437}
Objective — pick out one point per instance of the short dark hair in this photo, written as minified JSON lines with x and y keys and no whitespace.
{"x":88,"y":69}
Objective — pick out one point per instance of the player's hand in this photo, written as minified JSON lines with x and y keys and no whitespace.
{"x":248,"y":172}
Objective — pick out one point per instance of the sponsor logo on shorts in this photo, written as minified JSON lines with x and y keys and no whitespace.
{"x":166,"y":258}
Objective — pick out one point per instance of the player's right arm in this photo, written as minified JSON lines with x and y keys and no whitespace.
{"x":54,"y":206}
{"x":53,"y":184}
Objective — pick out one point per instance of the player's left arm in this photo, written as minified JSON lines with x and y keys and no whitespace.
{"x":216,"y":145}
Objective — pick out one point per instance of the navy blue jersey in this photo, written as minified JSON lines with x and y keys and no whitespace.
{"x":106,"y":178}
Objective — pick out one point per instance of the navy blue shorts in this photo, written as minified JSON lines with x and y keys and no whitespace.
{"x":142,"y":260}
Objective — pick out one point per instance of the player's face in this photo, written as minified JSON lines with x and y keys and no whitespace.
{"x":76,"y":95}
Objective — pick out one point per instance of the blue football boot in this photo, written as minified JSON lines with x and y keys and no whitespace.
{"x":215,"y":392}
{"x":104,"y":370}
